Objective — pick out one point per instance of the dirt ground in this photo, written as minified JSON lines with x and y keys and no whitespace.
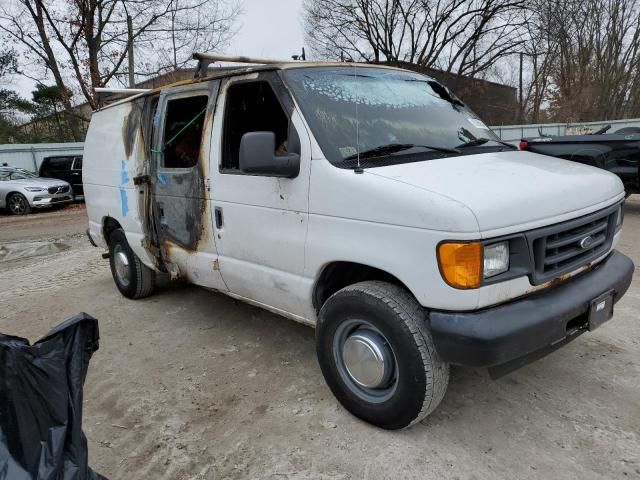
{"x":189,"y":384}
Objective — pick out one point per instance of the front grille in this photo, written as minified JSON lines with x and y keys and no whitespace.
{"x":58,"y":189}
{"x":567,"y":246}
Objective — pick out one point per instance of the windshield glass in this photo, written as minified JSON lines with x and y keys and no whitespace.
{"x":19,"y":174}
{"x":385,"y":116}
{"x":16,"y":174}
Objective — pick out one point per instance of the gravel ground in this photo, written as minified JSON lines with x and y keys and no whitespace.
{"x":188,"y":384}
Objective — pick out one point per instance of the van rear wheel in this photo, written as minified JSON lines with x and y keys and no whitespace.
{"x":132,"y":277}
{"x":377,"y":355}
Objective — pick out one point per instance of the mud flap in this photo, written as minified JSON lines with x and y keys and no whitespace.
{"x":41,"y":403}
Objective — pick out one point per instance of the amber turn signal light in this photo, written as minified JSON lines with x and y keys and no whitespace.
{"x":461,"y":263}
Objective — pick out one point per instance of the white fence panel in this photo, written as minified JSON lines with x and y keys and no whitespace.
{"x":29,"y":156}
{"x":513,"y":133}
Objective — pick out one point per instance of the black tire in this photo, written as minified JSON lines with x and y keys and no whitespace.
{"x":420,"y":377}
{"x":140,"y":280}
{"x":17,"y":204}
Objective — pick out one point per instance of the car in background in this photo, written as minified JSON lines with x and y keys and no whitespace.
{"x":64,"y":167}
{"x":22,"y":190}
{"x":617,"y":152}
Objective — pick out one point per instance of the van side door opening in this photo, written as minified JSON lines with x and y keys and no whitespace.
{"x":177,"y":179}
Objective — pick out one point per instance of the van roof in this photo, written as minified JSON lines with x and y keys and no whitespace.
{"x":226,"y":72}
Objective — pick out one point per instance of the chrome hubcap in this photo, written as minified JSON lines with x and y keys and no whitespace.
{"x":121,"y":264}
{"x":365,"y":360}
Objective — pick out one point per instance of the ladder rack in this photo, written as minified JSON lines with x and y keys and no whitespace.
{"x":205,"y":59}
{"x":125,"y":92}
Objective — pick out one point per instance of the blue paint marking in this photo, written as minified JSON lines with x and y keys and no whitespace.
{"x":163,"y":179}
{"x":124,"y":179}
{"x":124,"y":202}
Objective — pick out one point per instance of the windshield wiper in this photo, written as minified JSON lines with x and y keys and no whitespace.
{"x":391,"y":148}
{"x":481,"y":141}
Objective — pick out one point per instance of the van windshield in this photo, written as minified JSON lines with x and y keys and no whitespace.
{"x":384,"y":116}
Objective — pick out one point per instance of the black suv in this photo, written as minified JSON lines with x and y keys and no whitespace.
{"x":64,"y":167}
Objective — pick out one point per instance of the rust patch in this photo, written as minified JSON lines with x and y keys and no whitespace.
{"x":561,"y":279}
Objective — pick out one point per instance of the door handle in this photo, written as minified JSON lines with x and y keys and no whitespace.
{"x":162,"y":219}
{"x":218,"y":215}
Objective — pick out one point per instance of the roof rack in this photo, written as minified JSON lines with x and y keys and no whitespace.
{"x":123,"y":91}
{"x":119,"y":92}
{"x":205,"y":59}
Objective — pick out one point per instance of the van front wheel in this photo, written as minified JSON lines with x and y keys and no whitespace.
{"x":377,"y":355}
{"x":132,"y":277}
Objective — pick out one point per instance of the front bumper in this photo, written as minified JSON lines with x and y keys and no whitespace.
{"x":42,"y":201}
{"x":509,"y":336}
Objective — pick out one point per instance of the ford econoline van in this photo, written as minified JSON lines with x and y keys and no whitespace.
{"x":368,"y":202}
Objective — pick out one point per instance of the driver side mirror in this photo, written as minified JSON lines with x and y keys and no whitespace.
{"x":257,"y":156}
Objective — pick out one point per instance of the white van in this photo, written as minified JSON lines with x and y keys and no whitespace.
{"x":368,"y":202}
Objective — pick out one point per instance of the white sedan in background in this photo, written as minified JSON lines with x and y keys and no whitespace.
{"x":22,"y":190}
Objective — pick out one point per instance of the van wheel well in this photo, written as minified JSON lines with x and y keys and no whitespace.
{"x":338,"y":275}
{"x":109,"y":225}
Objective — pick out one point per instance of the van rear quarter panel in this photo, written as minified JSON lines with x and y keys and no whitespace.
{"x":113,"y":156}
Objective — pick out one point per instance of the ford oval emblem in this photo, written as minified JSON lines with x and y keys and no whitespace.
{"x":586,"y":242}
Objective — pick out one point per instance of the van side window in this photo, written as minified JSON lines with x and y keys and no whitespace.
{"x":183,"y":131}
{"x":77,"y":164}
{"x":251,"y":107}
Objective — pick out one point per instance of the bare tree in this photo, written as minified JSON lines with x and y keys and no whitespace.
{"x":83,"y":44}
{"x":174,"y":38}
{"x":585,"y":59}
{"x":465,"y":37}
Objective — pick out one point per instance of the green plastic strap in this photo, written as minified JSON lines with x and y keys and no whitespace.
{"x":180,"y":132}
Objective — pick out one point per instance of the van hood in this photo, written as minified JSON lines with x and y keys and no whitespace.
{"x":507,"y":189}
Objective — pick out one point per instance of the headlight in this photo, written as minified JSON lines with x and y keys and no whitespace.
{"x":496,"y":259}
{"x":619,"y":218}
{"x":33,"y":189}
{"x":463,"y":265}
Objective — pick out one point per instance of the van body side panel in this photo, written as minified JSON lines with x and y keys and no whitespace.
{"x":365,"y":219}
{"x":110,"y":165}
{"x":261,"y":238}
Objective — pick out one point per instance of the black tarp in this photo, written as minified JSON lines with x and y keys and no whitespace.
{"x":41,"y":403}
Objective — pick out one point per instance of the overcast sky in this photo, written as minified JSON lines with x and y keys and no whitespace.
{"x":267,"y":29}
